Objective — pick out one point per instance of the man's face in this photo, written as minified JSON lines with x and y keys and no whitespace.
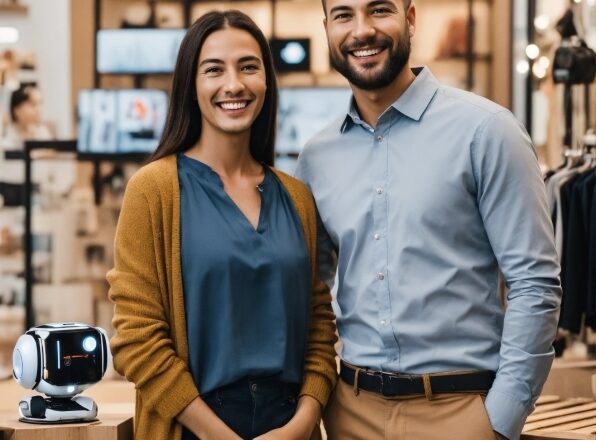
{"x":369,"y":40}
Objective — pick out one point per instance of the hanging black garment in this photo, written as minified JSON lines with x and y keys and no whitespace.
{"x":576,"y":203}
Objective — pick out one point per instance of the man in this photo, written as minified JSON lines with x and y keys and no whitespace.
{"x":425,"y":192}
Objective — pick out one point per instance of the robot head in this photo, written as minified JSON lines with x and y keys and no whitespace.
{"x":61,"y":359}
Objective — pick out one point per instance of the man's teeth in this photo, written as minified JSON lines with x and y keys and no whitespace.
{"x":366,"y":53}
{"x":233,"y":105}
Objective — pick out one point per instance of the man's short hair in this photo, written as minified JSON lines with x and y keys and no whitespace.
{"x":405,"y":2}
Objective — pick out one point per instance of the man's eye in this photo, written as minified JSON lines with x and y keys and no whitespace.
{"x":380,"y":11}
{"x":341,"y":17}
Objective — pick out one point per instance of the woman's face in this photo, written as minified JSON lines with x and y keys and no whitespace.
{"x":29,"y":112}
{"x":231,"y":81}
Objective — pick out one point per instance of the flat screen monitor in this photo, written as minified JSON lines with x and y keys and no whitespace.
{"x":120,"y":122}
{"x":302,"y":113}
{"x":138,"y":51}
{"x":291,"y":55}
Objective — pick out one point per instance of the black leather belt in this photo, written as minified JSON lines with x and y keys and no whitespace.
{"x":394,"y":385}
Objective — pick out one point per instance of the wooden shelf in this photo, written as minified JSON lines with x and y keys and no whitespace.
{"x":475,"y":57}
{"x":15,"y":8}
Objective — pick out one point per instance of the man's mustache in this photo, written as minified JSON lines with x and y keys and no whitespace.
{"x":370,"y":42}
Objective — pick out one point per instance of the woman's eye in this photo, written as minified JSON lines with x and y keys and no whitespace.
{"x":212,"y":70}
{"x":250,"y":68}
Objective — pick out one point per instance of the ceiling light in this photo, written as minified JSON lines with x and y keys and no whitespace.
{"x":522,"y":67}
{"x":532,"y":51}
{"x":8,"y":35}
{"x":541,"y":22}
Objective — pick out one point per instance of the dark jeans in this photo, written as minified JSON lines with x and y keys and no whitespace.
{"x":252,"y":407}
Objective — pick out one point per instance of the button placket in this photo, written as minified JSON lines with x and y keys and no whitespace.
{"x":378,"y":237}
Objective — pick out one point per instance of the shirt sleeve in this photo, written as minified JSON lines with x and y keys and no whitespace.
{"x":512,"y":201}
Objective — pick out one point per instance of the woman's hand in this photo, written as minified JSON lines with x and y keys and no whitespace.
{"x":301,"y":426}
{"x":198,"y":418}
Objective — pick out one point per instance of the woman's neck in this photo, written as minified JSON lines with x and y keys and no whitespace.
{"x":25,"y":130}
{"x":227,"y":154}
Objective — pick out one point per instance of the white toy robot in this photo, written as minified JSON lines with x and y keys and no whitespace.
{"x":60,"y":360}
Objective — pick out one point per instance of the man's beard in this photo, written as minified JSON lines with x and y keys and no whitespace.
{"x":397,"y":60}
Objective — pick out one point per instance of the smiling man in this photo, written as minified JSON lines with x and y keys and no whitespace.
{"x":424,"y":193}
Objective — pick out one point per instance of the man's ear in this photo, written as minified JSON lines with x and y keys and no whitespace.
{"x":411,"y":19}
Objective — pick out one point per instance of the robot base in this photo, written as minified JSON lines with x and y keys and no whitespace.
{"x":57,"y":410}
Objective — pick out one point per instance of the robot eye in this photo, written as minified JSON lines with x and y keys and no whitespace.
{"x":89,"y":343}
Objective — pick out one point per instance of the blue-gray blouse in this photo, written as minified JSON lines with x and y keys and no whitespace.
{"x":246,"y":291}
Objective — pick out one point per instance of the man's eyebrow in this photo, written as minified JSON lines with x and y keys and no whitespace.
{"x":380,"y":3}
{"x":340,"y":8}
{"x":344,"y":8}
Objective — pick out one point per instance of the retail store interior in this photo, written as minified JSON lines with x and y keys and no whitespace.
{"x":95,"y":77}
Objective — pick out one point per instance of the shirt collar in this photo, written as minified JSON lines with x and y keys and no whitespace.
{"x":412,"y":103}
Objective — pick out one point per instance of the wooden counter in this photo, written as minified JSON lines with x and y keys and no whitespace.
{"x":109,"y":427}
{"x":115,"y":400}
{"x":557,"y":419}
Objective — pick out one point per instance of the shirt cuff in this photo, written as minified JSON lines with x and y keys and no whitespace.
{"x":507,"y":414}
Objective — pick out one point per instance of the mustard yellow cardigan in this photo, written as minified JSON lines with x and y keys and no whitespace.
{"x":150,"y":344}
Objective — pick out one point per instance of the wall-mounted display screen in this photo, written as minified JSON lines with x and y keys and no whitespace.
{"x":124,"y":121}
{"x":305,"y":111}
{"x":138,"y":51}
{"x":291,"y":55}
{"x":302,"y":113}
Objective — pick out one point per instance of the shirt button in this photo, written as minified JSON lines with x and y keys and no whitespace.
{"x":253,"y":387}
{"x":376,"y":237}
{"x":379,"y":190}
{"x":380,"y":138}
{"x":383,"y":322}
{"x":381,"y":276}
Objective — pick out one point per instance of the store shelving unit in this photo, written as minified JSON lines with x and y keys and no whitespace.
{"x":29,"y":148}
{"x":14,"y":8}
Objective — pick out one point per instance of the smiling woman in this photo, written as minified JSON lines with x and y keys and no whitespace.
{"x":231,"y":82}
{"x":215,"y":286}
{"x":185,"y":122}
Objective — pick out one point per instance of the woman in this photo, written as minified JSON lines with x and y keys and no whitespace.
{"x":26,"y":117}
{"x":221,"y":320}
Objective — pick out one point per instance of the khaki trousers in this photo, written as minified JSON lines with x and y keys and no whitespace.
{"x":370,"y":416}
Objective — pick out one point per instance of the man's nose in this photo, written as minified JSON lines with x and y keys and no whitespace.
{"x":364,"y":28}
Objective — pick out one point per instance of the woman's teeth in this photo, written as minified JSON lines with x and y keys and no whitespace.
{"x":233,"y":105}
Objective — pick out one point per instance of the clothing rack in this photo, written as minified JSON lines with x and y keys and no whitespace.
{"x":571,"y":191}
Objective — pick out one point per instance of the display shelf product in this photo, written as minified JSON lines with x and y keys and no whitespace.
{"x":14,"y":8}
{"x":12,"y":322}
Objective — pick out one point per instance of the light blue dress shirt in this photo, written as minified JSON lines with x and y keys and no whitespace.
{"x":421,"y":212}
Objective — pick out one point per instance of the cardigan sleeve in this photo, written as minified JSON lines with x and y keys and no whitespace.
{"x":320,"y":372}
{"x":142,"y":347}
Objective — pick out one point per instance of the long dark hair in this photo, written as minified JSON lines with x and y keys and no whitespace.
{"x":18,"y":97}
{"x":183,"y":123}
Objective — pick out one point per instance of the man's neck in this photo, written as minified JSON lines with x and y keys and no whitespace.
{"x":372,"y":103}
